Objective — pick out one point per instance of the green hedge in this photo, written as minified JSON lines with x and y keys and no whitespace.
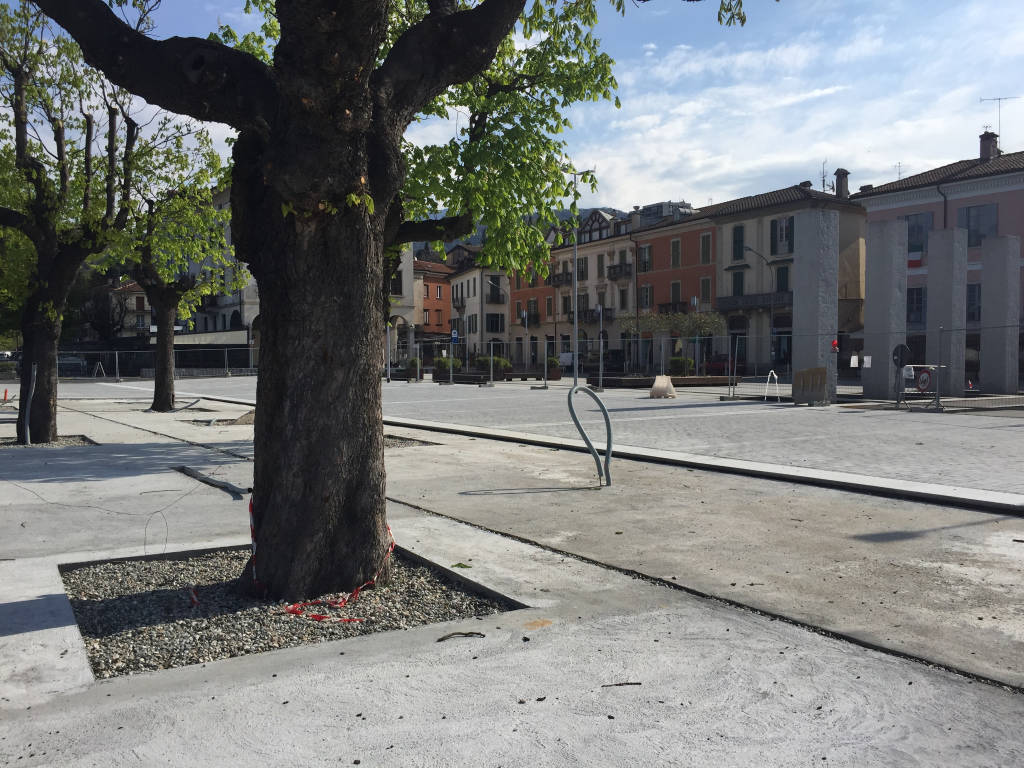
{"x":441,"y":364}
{"x":500,"y":363}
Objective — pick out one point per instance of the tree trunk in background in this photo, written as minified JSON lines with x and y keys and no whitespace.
{"x":40,"y":330}
{"x":166,"y":309}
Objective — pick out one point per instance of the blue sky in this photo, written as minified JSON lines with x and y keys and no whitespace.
{"x":713,"y":113}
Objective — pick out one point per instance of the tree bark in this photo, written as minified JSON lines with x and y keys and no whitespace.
{"x":318,"y":497}
{"x":166,"y":310}
{"x":40,"y":333}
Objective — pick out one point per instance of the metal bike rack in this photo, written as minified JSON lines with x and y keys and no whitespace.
{"x":606,"y":472}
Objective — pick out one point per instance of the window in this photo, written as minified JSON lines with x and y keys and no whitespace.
{"x":973,"y":302}
{"x":471,"y":324}
{"x":979,"y":221}
{"x":623,"y":298}
{"x":646,"y":292}
{"x":582,"y":302}
{"x":917,"y":305}
{"x":601,"y":299}
{"x":396,"y":283}
{"x":782,"y":236}
{"x":566,"y":304}
{"x":549,"y":307}
{"x":918,"y":227}
{"x":426,"y":291}
{"x":439,"y":320}
{"x":565,"y":267}
{"x":531,"y":307}
{"x":140,"y":304}
{"x":426,"y":317}
{"x":533,"y":279}
{"x":677,"y":254}
{"x":519,"y":282}
{"x":705,"y":289}
{"x":582,"y":267}
{"x":600,"y":265}
{"x":141,"y":322}
{"x":737,"y":283}
{"x":705,"y":248}
{"x":474,"y":287}
{"x":737,"y":243}
{"x":677,"y":292}
{"x":782,"y":279}
{"x":643,"y":258}
{"x":439,"y":289}
{"x":622,"y":256}
{"x":519,"y":310}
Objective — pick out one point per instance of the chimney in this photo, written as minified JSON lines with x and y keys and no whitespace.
{"x":842,"y":183}
{"x":867,"y":187}
{"x":806,"y":184}
{"x":990,"y":145}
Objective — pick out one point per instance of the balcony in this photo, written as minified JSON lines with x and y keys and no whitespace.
{"x":561,"y":278}
{"x":593,"y":317}
{"x":754,"y":301}
{"x":494,"y":297}
{"x":619,"y":271}
{"x":533,"y":319}
{"x":459,"y":304}
{"x":674,"y":308}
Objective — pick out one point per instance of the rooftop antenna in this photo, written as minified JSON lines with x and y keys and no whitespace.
{"x":825,"y":184}
{"x":999,"y":108}
{"x":899,"y":170}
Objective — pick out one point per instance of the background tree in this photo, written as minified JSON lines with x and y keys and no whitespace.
{"x":325,"y":186}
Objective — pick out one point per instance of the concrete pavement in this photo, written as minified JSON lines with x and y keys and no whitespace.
{"x":719,"y":685}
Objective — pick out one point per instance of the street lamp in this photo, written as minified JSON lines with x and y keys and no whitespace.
{"x":771,"y":304}
{"x":575,"y":268}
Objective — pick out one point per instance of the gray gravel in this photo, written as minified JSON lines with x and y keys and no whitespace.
{"x":138,"y":615}
{"x":67,"y":441}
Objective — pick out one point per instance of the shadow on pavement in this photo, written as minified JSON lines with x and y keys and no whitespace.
{"x":883,"y":537}
{"x":42,"y":612}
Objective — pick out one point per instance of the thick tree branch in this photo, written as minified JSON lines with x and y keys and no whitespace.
{"x":447,"y":228}
{"x":63,"y":169}
{"x":127,"y":171}
{"x":13,"y":219}
{"x":90,"y":128}
{"x":187,"y":75}
{"x":441,"y":51}
{"x":111,"y":161}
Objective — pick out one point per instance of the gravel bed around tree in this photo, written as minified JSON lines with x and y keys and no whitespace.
{"x":139,"y":615}
{"x":67,"y":441}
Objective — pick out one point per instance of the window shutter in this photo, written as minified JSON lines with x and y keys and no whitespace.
{"x":789,"y":232}
{"x":775,"y":237}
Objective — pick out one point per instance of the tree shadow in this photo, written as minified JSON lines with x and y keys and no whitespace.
{"x":37,"y":613}
{"x":58,"y":464}
{"x":885,"y":537}
{"x":687,"y":406}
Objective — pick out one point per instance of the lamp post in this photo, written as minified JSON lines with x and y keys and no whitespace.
{"x":575,"y":268}
{"x":771,"y":304}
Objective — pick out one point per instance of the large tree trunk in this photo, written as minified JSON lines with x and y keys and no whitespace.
{"x":163,"y":375}
{"x":40,"y":330}
{"x":318,"y":498}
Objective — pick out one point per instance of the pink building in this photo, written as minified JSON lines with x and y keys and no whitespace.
{"x":983,"y":195}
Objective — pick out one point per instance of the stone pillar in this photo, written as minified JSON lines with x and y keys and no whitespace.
{"x":1000,"y":314}
{"x":885,"y":305}
{"x":947,"y":307}
{"x":816,"y":291}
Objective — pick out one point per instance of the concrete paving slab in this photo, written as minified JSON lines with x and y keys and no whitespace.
{"x":936,"y":582}
{"x":717,"y":687}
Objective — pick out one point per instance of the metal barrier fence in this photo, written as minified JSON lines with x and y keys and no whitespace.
{"x":188,"y":362}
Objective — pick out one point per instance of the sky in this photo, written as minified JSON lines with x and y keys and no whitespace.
{"x":883,"y":88}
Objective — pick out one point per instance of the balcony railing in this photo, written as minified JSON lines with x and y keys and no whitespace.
{"x":674,"y":307}
{"x":561,"y":278}
{"x":533,"y":318}
{"x":493,"y":297}
{"x":592,"y":317}
{"x":619,"y":271}
{"x":459,"y":304}
{"x":754,"y":301}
